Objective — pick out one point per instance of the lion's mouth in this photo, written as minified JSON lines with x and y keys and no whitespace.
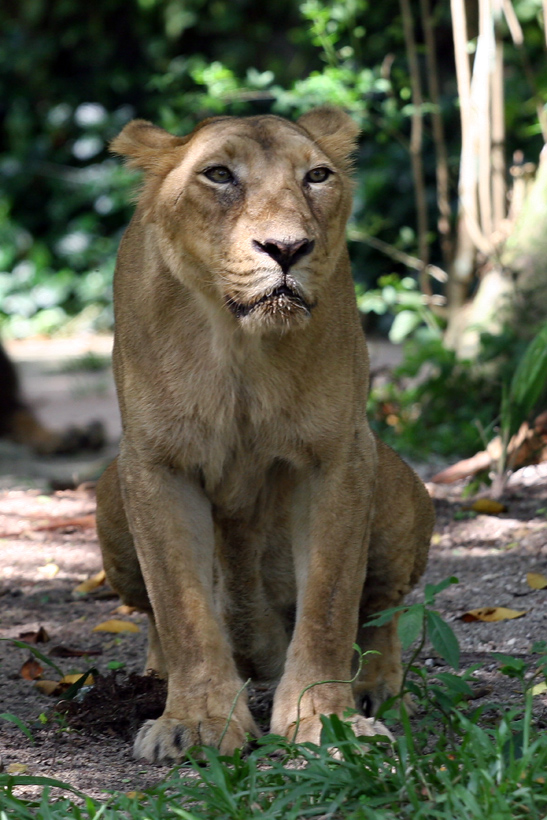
{"x":282,"y":299}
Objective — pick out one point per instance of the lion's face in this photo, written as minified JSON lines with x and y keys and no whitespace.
{"x":250,"y":212}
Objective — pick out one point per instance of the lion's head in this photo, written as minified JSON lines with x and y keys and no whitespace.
{"x":249,"y":212}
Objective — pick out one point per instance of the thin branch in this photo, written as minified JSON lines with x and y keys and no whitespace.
{"x":416,"y":138}
{"x":499,"y":206}
{"x":480,"y":96}
{"x":462,"y":267}
{"x":355,"y":235}
{"x":443,"y":198}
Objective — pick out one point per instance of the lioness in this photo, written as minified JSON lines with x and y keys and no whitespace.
{"x":251,"y":512}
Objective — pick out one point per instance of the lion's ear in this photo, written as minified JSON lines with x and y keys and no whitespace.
{"x":333,"y":130}
{"x":145,"y":145}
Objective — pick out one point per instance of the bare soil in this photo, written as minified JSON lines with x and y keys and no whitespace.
{"x":48,"y":546}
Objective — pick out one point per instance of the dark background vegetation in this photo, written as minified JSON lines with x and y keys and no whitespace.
{"x":72,"y":74}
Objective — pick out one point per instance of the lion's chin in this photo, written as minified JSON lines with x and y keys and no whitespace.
{"x":283,"y":309}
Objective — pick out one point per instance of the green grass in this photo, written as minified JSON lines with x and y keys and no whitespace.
{"x":472,"y":772}
{"x":453,"y":761}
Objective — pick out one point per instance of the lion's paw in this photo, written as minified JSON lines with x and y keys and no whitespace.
{"x":309,"y":729}
{"x":167,"y":740}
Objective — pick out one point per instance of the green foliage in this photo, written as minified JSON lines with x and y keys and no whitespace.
{"x":421,"y":409}
{"x":402,"y":298}
{"x":446,"y":765}
{"x":71,"y":77}
{"x":419,"y":621}
{"x":527,"y":386}
{"x":437,"y":403}
{"x":526,"y":672}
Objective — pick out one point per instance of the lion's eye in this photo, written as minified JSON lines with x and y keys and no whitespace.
{"x":320,"y":174}
{"x":220,"y":174}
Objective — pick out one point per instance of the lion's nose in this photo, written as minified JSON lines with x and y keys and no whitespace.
{"x":285,"y":253}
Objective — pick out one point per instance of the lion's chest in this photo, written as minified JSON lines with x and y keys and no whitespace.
{"x":236,"y":437}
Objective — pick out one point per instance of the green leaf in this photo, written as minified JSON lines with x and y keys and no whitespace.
{"x":410,"y":624}
{"x":37,"y":654}
{"x":443,"y":638}
{"x":527,"y":384}
{"x":404,"y":323}
{"x":530,"y":375}
{"x":455,"y":684}
{"x":9,"y":780}
{"x":433,"y":589}
{"x":115,"y":665}
{"x":385,"y":616}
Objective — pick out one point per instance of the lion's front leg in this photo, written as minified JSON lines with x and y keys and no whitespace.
{"x":171,"y":521}
{"x":332,"y":517}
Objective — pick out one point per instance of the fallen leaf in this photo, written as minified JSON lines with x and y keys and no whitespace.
{"x":536,"y":580}
{"x":16,"y":768}
{"x":31,"y":669}
{"x":492,"y":613}
{"x":488,"y":506}
{"x":91,"y":583}
{"x":57,"y":687}
{"x":74,"y":678}
{"x":69,"y":652}
{"x":39,"y":636}
{"x":138,"y":795}
{"x":83,"y":522}
{"x":49,"y":570}
{"x":124,"y":609}
{"x":116,"y":626}
{"x":539,"y":688}
{"x":48,"y":687}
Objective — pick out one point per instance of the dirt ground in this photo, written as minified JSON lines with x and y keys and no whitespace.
{"x":48,"y":546}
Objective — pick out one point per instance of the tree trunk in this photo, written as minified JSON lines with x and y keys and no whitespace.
{"x":524,"y":256}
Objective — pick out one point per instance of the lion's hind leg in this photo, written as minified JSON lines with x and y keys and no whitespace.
{"x":399,"y":545}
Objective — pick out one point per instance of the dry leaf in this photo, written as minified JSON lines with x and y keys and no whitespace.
{"x":31,"y":669}
{"x":69,"y":652}
{"x":492,"y":613}
{"x":91,"y":583}
{"x":40,"y":636}
{"x":536,"y":580}
{"x":488,"y":506}
{"x":49,"y":570}
{"x":74,"y":678}
{"x":16,"y":768}
{"x":48,"y":687}
{"x":138,"y":795}
{"x":83,"y":522}
{"x":539,"y":688}
{"x":124,"y":609}
{"x":116,"y":626}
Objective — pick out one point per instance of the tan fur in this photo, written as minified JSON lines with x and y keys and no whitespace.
{"x":251,"y":512}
